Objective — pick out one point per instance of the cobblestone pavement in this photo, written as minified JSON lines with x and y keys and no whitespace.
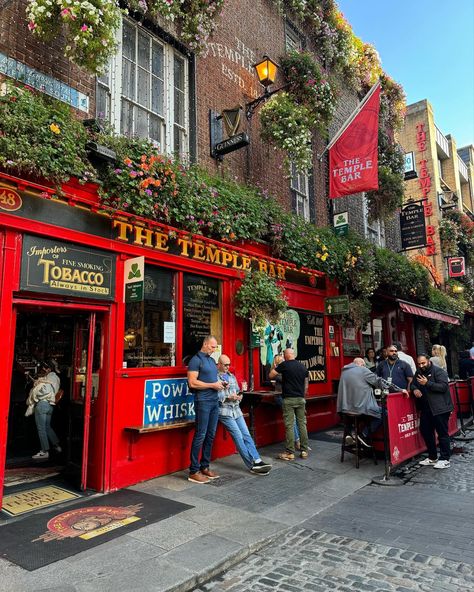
{"x":417,"y":537}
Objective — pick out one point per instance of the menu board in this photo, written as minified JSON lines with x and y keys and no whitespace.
{"x":201,"y":312}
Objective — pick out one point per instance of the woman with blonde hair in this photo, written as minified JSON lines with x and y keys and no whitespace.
{"x":439,"y":356}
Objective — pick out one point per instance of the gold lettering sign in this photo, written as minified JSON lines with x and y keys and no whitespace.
{"x":196,"y":249}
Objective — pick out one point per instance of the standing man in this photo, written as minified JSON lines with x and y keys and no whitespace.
{"x":294,"y":385}
{"x":405,"y":357}
{"x":232,"y":417}
{"x":393,"y":370}
{"x":204,"y":382}
{"x":433,"y":399}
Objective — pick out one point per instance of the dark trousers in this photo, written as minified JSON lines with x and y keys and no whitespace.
{"x":431,"y":424}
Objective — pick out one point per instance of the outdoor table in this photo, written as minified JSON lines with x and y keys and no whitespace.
{"x":252,"y":399}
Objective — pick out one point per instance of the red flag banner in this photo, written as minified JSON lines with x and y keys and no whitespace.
{"x":353,"y":158}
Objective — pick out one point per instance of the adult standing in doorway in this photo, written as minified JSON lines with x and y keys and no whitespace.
{"x":205,"y":384}
{"x":41,"y":402}
{"x":294,"y":387}
{"x":431,"y":389}
{"x":393,"y":370}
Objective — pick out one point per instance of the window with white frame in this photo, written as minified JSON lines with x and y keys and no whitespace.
{"x":374,"y":230}
{"x":144,"y":91}
{"x":300,"y":192}
{"x":294,"y":40}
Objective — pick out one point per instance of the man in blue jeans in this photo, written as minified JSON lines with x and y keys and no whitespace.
{"x":204,"y":382}
{"x":232,"y":417}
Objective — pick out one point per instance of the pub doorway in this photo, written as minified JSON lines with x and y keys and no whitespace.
{"x":72,"y":342}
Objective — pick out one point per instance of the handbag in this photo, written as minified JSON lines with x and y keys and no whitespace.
{"x":59,"y":395}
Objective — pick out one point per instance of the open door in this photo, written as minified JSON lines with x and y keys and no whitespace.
{"x":86,"y":400}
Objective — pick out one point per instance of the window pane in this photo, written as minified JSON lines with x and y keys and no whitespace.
{"x":157,"y":95}
{"x":179,"y":73}
{"x":201,"y":313}
{"x":128,"y":79}
{"x":144,"y":51}
{"x":155,"y":129}
{"x":141,"y":123}
{"x":128,"y":41}
{"x":157,"y":60}
{"x":126,"y":119}
{"x":144,"y":322}
{"x":177,"y":141}
{"x":102,"y":103}
{"x":143,"y":89}
{"x":179,"y":107}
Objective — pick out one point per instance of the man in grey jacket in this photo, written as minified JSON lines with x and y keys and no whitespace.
{"x":355,"y":395}
{"x":431,"y":389}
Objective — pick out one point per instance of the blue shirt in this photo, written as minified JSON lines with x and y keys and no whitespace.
{"x":398,"y":372}
{"x":206,"y":368}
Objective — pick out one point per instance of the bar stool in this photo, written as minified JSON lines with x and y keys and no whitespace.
{"x":354,"y":420}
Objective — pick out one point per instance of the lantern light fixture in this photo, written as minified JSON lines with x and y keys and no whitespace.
{"x":266,"y":71}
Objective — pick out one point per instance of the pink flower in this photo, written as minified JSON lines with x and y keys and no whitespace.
{"x":31,"y":26}
{"x":84,"y":28}
{"x":65,"y":12}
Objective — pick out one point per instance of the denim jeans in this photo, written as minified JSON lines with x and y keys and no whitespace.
{"x":240,"y":434}
{"x":43,"y":414}
{"x":207,"y":414}
{"x":279,"y":400}
{"x":295,"y":407}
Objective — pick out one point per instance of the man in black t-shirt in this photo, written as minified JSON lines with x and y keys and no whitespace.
{"x":294,"y":384}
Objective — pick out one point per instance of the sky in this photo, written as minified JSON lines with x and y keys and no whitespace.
{"x":428,"y":47}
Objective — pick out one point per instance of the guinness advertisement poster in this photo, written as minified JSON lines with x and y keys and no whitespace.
{"x":412,"y":226}
{"x":304,"y":332}
{"x":62,"y":268}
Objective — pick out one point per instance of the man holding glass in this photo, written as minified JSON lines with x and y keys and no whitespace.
{"x":232,"y":417}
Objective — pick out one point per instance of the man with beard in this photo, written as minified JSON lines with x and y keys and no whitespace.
{"x":395,"y":371}
{"x":431,"y":389}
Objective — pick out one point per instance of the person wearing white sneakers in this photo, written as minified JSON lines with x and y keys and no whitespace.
{"x":430,"y":386}
{"x":41,"y":400}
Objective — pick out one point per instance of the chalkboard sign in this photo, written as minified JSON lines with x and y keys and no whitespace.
{"x":201,"y":312}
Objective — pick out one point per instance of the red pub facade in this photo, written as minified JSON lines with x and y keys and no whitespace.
{"x":123,"y":364}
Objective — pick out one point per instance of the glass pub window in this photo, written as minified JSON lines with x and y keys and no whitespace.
{"x":145,"y":344}
{"x":202,"y":312}
{"x":300,"y":191}
{"x":144,"y":92}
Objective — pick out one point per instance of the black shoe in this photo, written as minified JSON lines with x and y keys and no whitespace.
{"x":261,"y":467}
{"x":363,"y":441}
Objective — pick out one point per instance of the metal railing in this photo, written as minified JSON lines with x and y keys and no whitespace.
{"x":463,"y":169}
{"x":442,"y":142}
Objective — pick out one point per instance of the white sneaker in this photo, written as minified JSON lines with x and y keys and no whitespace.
{"x":442,"y":464}
{"x":349,"y":441}
{"x":41,"y":455}
{"x":427,"y":462}
{"x":58,"y":448}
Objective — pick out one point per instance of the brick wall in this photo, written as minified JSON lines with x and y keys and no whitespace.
{"x":17,"y":42}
